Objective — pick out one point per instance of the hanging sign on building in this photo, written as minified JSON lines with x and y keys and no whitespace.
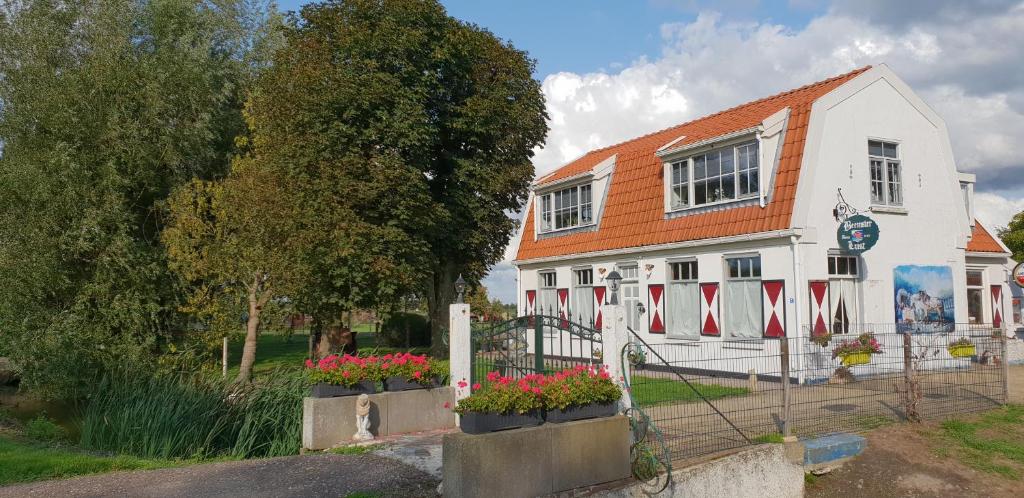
{"x":857,"y":234}
{"x":1018,"y":274}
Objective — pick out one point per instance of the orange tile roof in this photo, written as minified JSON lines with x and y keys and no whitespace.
{"x":982,"y":241}
{"x":634,"y":212}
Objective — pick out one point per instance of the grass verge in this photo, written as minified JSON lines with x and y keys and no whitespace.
{"x":647,"y":391}
{"x":22,"y":461}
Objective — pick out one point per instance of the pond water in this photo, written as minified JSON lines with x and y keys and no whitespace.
{"x":24,"y":408}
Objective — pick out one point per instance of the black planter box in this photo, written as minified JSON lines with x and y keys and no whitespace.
{"x":482,"y":423}
{"x":323,"y":390}
{"x":593,"y":410}
{"x":402,"y":384}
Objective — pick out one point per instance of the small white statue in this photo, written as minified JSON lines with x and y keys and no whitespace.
{"x":363,"y":419}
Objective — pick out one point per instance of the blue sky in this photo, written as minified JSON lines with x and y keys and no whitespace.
{"x":614,"y":70}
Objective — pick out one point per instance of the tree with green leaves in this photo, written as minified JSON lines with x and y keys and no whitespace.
{"x":411,"y":134}
{"x":105,"y":107}
{"x":233,"y":241}
{"x":1013,"y":236}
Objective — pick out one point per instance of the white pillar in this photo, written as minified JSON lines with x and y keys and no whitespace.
{"x":460,"y":348}
{"x":614,"y":337}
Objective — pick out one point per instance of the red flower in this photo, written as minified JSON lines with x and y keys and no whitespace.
{"x":462,"y":384}
{"x":417,"y":374}
{"x":309,"y":363}
{"x":476,"y":386}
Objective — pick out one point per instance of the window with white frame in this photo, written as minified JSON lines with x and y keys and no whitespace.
{"x":630,"y":273}
{"x":843,"y":283}
{"x":720,"y":175}
{"x":886,"y":175}
{"x":975,"y":296}
{"x":547,"y":295}
{"x":682,"y":306}
{"x":566,"y":208}
{"x":742,"y":295}
{"x":582,"y":305}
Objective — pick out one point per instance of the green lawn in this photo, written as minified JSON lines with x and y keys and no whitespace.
{"x":647,"y":391}
{"x":22,"y":461}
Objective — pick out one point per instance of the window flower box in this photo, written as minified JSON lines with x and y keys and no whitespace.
{"x":325,"y":390}
{"x":962,"y":348}
{"x":857,"y":351}
{"x":853,"y":359}
{"x":484,"y":422}
{"x":592,"y":410}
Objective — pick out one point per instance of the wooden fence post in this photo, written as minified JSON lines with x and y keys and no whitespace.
{"x":910,"y":408}
{"x":784,"y":375}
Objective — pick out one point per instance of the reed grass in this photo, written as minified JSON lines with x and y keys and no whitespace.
{"x":189,"y":415}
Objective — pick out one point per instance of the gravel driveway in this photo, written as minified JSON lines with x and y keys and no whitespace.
{"x":308,"y":476}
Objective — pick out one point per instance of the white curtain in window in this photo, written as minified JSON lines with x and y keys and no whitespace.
{"x":683,"y":315}
{"x":581,"y":307}
{"x":547,"y":302}
{"x":743,"y":308}
{"x":843,"y":293}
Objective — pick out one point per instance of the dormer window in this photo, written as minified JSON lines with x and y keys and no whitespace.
{"x":566,"y":208}
{"x":720,"y":175}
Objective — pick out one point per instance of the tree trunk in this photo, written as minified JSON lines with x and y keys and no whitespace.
{"x":259,"y":294}
{"x":251,"y":329}
{"x":440,"y":294}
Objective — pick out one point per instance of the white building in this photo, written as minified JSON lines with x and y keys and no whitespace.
{"x":723,"y":227}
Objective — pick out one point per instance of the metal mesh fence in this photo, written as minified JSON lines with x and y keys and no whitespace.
{"x":706,"y":397}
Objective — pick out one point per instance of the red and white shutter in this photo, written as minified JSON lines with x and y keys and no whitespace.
{"x":709,"y":309}
{"x":656,"y":305}
{"x":773,"y":305}
{"x":563,"y":306}
{"x":598,"y":302}
{"x":531,"y":302}
{"x":997,"y":306}
{"x":819,"y":307}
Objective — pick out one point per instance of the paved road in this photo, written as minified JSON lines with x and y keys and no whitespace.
{"x":308,"y":476}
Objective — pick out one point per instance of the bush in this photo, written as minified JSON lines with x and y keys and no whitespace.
{"x":185,"y":415}
{"x":43,"y":428}
{"x":398,"y":326}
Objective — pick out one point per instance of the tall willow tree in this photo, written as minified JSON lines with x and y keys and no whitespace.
{"x":106,"y":107}
{"x":411,"y":133}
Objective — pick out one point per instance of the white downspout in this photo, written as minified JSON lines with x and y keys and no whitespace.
{"x":798,"y":277}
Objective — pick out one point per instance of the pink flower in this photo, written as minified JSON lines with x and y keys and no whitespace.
{"x":309,"y":363}
{"x":536,"y":390}
{"x":492,"y":376}
{"x":462,"y":384}
{"x":417,"y":374}
{"x":476,"y":386}
{"x":345,"y":374}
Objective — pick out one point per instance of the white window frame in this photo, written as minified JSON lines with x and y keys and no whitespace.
{"x":674,"y":277}
{"x":681,"y":175}
{"x":745,"y":273}
{"x":551,"y":204}
{"x":582,"y":278}
{"x":886,"y":171}
{"x":985,"y":296}
{"x":843,"y":277}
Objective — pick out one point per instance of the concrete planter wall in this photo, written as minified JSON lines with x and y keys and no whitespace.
{"x":328,"y":422}
{"x":536,"y":461}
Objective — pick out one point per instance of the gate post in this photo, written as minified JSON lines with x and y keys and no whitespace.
{"x":460,"y":347}
{"x":615,"y":337}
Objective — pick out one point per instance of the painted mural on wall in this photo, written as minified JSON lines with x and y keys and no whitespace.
{"x":924,"y":298}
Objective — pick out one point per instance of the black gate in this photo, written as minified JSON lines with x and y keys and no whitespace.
{"x":532,"y":344}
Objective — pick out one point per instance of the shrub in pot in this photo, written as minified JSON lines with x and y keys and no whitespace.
{"x":579,"y":393}
{"x":344,"y":375}
{"x":961,"y":348}
{"x":503,"y":404}
{"x":406,"y":371}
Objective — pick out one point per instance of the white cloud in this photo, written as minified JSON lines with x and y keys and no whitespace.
{"x":995,"y":211}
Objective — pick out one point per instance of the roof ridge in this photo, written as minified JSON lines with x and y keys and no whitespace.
{"x":708,"y":116}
